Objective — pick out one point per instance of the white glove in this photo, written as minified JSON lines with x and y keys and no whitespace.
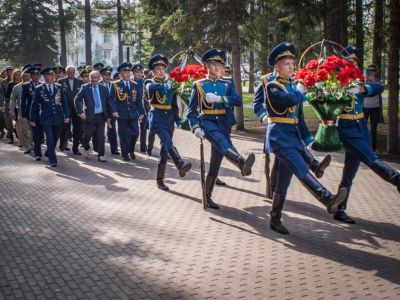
{"x":212,"y":98}
{"x":355,"y":90}
{"x":309,"y":145}
{"x":301,"y":88}
{"x":198,"y":132}
{"x":264,"y":120}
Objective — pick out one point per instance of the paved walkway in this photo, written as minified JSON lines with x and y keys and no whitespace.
{"x":90,"y":230}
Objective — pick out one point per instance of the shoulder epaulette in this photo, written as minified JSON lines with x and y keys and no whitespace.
{"x":278,"y":84}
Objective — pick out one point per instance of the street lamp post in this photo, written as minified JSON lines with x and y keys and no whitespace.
{"x":128,"y":39}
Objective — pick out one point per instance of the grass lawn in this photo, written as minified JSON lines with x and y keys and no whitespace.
{"x":309,"y":115}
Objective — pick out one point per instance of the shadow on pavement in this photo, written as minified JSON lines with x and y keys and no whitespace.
{"x":317,"y":233}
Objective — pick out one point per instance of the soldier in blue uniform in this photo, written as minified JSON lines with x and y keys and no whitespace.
{"x":283,"y":117}
{"x":28,"y":90}
{"x":259,"y":108}
{"x":147,"y":74}
{"x":127,"y":106}
{"x":215,"y":97}
{"x":98,"y":66}
{"x":137,"y":70}
{"x":50,"y":107}
{"x":163,"y":113}
{"x":354,"y":135}
{"x":111,"y":124}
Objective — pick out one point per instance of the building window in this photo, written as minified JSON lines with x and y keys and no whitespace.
{"x":107,"y":38}
{"x":107,"y":54}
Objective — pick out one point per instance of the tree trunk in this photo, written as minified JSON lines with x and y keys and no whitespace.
{"x":378,"y":36}
{"x":344,"y":36}
{"x":61,"y":19}
{"x":335,"y":21}
{"x":88,"y":33}
{"x":393,"y":108}
{"x":359,"y":33}
{"x":251,"y":72}
{"x":119,"y":32}
{"x":251,"y":54}
{"x":236,"y":70}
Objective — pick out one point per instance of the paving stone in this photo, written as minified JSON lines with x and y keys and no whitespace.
{"x":88,"y":230}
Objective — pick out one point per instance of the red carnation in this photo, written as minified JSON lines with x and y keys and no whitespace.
{"x":312,"y":64}
{"x":300,"y":74}
{"x":309,"y":79}
{"x":321,"y":75}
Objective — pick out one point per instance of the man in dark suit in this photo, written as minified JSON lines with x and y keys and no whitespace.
{"x":71,"y":86}
{"x":92,"y":106}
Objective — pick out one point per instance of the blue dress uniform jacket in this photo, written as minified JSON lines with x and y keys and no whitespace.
{"x":283,"y":101}
{"x":216,"y":119}
{"x":163,"y":113}
{"x":123,"y":101}
{"x":49,"y":108}
{"x":28,"y":90}
{"x":286,"y":129}
{"x":164,"y":108}
{"x":53,"y":109}
{"x":355,"y":137}
{"x":259,"y":106}
{"x":217,"y":113}
{"x":129,"y":107}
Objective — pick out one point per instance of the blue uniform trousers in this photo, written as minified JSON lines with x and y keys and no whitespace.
{"x":77,"y":131}
{"x":290,"y":161}
{"x":356,"y":141}
{"x":127,"y":129}
{"x":112,"y":136}
{"x":37,"y":139}
{"x":52,"y":133}
{"x":218,"y":135}
{"x":143,"y":134}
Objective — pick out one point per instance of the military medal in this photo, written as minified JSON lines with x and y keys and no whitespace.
{"x":58,"y":97}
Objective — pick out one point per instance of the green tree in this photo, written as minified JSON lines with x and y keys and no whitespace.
{"x":336,"y":21}
{"x":394,"y":61}
{"x":27,"y":32}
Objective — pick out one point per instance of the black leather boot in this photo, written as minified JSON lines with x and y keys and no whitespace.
{"x":244,"y":165}
{"x":276,"y":213}
{"x":341,"y":214}
{"x":150,"y":144}
{"x":10,"y":136}
{"x":387,"y":173}
{"x":273,"y":179}
{"x":210,"y":182}
{"x":331,"y":202}
{"x":219,"y":182}
{"x":179,"y":163}
{"x":160,"y":177}
{"x":316,"y":167}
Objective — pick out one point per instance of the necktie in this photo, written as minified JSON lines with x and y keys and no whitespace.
{"x":96,"y":98}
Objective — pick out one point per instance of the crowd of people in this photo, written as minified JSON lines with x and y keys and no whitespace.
{"x":136,"y":104}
